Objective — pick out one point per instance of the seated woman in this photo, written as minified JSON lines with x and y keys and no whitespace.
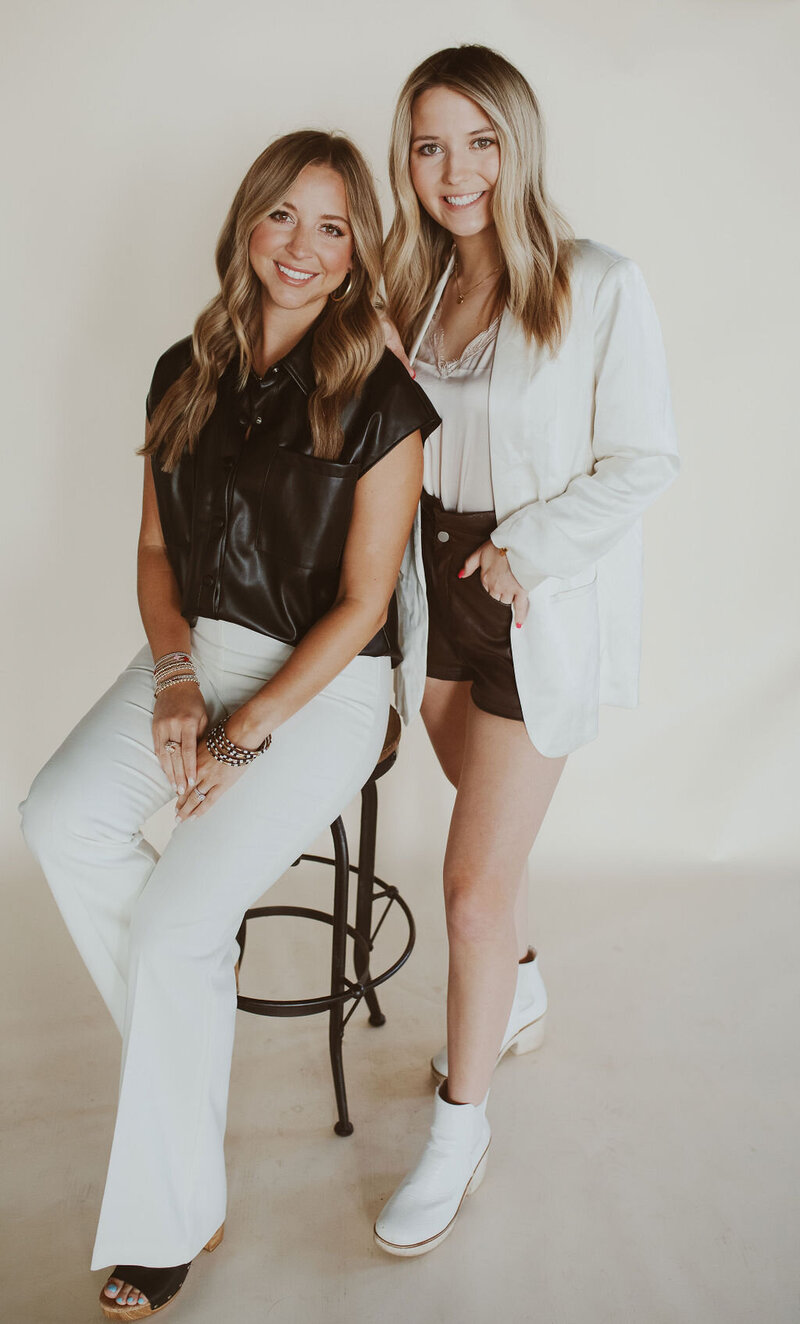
{"x":283,"y":465}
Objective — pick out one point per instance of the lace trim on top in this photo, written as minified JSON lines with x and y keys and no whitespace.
{"x":434,"y":339}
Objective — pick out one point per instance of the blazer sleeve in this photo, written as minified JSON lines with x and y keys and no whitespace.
{"x":633,"y":443}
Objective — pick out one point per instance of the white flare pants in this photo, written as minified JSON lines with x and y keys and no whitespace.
{"x":158,"y":935}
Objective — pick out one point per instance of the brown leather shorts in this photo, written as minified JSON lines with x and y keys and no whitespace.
{"x":468,"y":631}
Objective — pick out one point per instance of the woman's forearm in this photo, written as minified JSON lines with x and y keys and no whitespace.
{"x":159,"y":603}
{"x":321,"y":654}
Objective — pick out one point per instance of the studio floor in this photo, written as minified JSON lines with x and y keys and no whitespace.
{"x":643,"y":1164}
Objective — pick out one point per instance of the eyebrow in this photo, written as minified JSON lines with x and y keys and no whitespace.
{"x":430,"y":137}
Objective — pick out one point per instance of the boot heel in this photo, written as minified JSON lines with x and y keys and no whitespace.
{"x":479,"y":1174}
{"x":216,"y":1239}
{"x":530,"y":1038}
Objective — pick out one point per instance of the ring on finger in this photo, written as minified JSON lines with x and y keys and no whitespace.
{"x":201,"y":795}
{"x":172,"y":745}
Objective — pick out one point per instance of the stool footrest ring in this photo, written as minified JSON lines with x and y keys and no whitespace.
{"x":355,"y":990}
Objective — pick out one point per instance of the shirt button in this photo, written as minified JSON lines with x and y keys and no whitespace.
{"x":258,"y":418}
{"x":275,"y":370}
{"x":443,"y":535}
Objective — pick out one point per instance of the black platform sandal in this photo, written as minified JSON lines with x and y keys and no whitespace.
{"x":158,"y":1285}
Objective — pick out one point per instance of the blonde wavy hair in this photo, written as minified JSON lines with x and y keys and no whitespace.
{"x":348,"y":341}
{"x":535,"y":240}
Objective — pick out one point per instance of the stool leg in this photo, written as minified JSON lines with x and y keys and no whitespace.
{"x":344,"y":1127}
{"x":241,"y":939}
{"x":366,"y":885}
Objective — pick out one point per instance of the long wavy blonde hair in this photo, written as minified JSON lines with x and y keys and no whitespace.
{"x":535,"y":240}
{"x":348,"y":341}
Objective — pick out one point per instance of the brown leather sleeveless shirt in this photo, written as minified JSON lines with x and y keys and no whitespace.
{"x":254,"y":523}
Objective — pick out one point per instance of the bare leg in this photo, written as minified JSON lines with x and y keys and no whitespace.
{"x":445,"y":709}
{"x":521,"y":915}
{"x":445,"y":706}
{"x":504,"y":790}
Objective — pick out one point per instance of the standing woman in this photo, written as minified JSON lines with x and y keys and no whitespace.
{"x":520,"y":595}
{"x":283,"y":464}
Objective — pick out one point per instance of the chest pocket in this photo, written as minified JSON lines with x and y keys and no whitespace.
{"x":305,"y":509}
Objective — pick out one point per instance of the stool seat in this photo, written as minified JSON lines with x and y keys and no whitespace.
{"x":362,"y":933}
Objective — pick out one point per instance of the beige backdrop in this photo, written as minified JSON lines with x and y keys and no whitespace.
{"x":644,"y":1163}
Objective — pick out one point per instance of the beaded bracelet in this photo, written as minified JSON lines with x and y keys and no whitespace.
{"x":168,"y":672}
{"x":177,"y":680}
{"x":169,"y":659}
{"x":224,"y":750}
{"x":173,"y":669}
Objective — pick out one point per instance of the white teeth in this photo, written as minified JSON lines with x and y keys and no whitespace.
{"x":464,"y":199}
{"x":295,"y":275}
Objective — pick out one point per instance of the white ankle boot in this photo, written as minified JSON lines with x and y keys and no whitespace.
{"x":424,"y":1207}
{"x":525,"y":1029}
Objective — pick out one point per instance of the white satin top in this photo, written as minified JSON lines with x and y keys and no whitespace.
{"x":457,"y":463}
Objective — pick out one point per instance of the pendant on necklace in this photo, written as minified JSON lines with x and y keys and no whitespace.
{"x":459,"y":298}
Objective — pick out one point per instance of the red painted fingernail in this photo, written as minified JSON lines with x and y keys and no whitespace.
{"x":413,"y":374}
{"x":461,"y":574}
{"x":519,"y":625}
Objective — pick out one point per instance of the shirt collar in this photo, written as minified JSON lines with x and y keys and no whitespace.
{"x":298,"y":362}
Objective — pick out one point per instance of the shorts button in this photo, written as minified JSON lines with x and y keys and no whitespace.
{"x":443,"y":535}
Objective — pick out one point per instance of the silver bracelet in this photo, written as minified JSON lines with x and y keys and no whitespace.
{"x":162,"y":685}
{"x":171,"y":673}
{"x":169,"y":659}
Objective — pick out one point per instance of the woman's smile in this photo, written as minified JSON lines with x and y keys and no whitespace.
{"x":459,"y":201}
{"x":293,"y":275}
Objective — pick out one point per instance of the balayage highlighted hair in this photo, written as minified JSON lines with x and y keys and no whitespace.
{"x":535,"y":240}
{"x":348,"y":342}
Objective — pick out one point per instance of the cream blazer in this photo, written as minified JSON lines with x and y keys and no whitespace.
{"x":580,"y":444}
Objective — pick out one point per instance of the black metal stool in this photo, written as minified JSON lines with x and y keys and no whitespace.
{"x":370,"y":890}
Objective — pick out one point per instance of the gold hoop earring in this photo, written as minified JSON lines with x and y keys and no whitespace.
{"x":338,"y":298}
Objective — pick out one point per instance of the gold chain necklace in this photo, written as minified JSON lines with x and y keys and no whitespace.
{"x":462,"y":294}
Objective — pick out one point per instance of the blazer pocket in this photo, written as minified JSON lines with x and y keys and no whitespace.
{"x":305,"y":510}
{"x":565,"y":652}
{"x":574,"y":590}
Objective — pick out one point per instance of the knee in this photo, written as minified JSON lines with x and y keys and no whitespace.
{"x":68,"y":809}
{"x":39,"y":812}
{"x":476,"y":909}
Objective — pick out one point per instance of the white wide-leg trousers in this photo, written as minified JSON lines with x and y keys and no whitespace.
{"x":158,"y":935}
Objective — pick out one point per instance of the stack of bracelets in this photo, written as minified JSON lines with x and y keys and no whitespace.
{"x":224,"y":750}
{"x":173,"y":669}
